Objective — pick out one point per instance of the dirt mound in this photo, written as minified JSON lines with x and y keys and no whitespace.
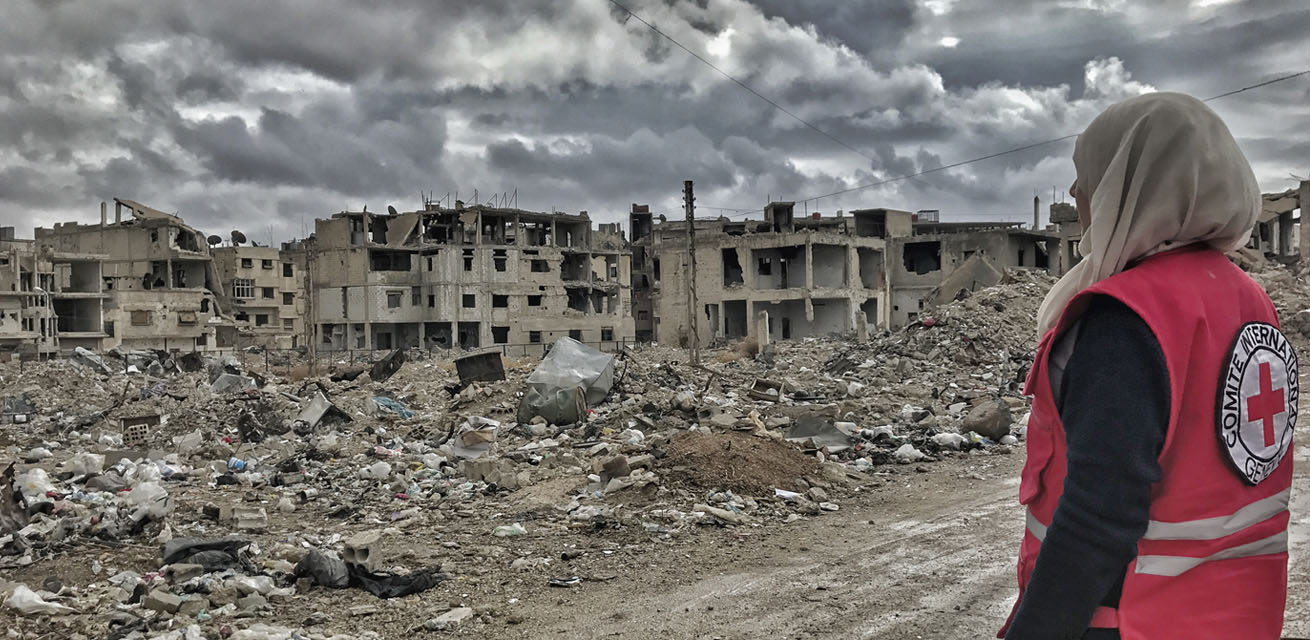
{"x":738,"y":462}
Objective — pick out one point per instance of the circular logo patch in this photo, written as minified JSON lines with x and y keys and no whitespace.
{"x":1257,"y":401}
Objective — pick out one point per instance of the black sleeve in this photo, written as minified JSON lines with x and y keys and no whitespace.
{"x":1114,"y":405}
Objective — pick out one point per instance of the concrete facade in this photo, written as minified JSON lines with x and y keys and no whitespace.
{"x":158,"y":288}
{"x":819,"y":275}
{"x":468,"y":277}
{"x":266,"y":287}
{"x":810,"y":275}
{"x":28,"y":324}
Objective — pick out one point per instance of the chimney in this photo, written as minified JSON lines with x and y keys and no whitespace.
{"x":118,"y":212}
{"x":104,"y":213}
{"x":1036,"y":213}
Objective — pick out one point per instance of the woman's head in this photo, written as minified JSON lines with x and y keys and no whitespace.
{"x":1154,"y":172}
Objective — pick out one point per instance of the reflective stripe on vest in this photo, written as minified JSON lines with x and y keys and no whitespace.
{"x":1204,"y":529}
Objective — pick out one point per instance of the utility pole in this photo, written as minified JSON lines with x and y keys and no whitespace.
{"x":693,"y":337}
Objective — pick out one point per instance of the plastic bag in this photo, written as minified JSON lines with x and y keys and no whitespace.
{"x":149,"y":500}
{"x":28,"y":603}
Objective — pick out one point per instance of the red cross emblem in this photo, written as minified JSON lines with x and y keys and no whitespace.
{"x":1266,"y":405}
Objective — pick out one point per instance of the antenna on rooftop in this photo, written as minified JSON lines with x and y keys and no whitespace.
{"x":392,"y":210}
{"x":237,"y":238}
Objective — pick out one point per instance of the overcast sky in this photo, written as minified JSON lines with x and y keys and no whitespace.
{"x":261,"y":116}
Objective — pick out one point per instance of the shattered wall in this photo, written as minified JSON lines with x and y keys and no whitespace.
{"x":472,"y":277}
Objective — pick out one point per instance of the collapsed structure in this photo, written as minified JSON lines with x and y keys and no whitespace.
{"x":468,"y":277}
{"x":786,"y":277}
{"x":479,"y":276}
{"x":151,"y":276}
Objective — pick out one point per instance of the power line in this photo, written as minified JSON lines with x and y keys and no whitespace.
{"x":743,"y":84}
{"x":1028,"y":146}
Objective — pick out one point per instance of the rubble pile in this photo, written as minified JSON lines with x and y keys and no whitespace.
{"x":149,"y":495}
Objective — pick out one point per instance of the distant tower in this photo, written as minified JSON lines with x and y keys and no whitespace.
{"x":1036,"y":213}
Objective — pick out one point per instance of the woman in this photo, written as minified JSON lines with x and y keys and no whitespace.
{"x":1164,"y":399}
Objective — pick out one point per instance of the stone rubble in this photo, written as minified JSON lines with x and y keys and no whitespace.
{"x":231,"y":500}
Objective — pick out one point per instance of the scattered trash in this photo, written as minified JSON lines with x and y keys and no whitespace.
{"x":388,"y":366}
{"x":565,"y":583}
{"x":390,"y":405}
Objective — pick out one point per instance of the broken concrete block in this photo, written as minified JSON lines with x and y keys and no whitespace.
{"x":990,"y":419}
{"x":387,"y":366}
{"x":89,"y":359}
{"x":450,"y":619}
{"x":364,"y":550}
{"x":250,"y":518}
{"x":730,"y":517}
{"x":230,"y":383}
{"x":182,"y":572}
{"x":252,"y":602}
{"x":192,"y":606}
{"x":161,"y":600}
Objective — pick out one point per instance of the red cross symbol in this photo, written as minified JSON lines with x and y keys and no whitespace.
{"x":1267,"y":404}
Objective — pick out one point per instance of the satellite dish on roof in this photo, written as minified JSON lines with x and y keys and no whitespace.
{"x":213,"y":240}
{"x":392,"y":210}
{"x":238,"y":238}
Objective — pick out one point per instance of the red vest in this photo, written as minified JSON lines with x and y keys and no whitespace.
{"x":1213,"y":562}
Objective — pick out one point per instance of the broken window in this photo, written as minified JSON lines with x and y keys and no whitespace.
{"x":643,"y":315}
{"x":247,"y":263}
{"x":266,"y":292}
{"x":540,"y":266}
{"x":288,"y":323}
{"x":141,"y":319}
{"x":500,"y":302}
{"x":288,"y":299}
{"x":432,"y":301}
{"x":500,"y":335}
{"x":470,"y":301}
{"x":468,"y":259}
{"x":242,"y":316}
{"x":732,"y":275}
{"x":393,"y":299}
{"x":534,"y":337}
{"x":186,"y":318}
{"x":429,"y":264}
{"x":345,"y":302}
{"x":534,"y":301}
{"x":266,"y":264}
{"x":389,"y":260}
{"x":287,"y":270}
{"x":415,"y":296}
{"x":243,"y":289}
{"x":109,"y":328}
{"x":922,"y":257}
{"x":261,"y":319}
{"x":576,"y":334}
{"x":765,"y":266}
{"x":606,"y":334}
{"x":500,"y":263}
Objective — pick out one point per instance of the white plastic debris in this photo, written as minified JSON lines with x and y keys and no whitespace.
{"x":34,"y":483}
{"x":1008,"y":439}
{"x":39,"y":453}
{"x":509,"y":531}
{"x":907,"y":453}
{"x":632,"y":436}
{"x":376,"y":471}
{"x":85,"y":463}
{"x":950,"y":440}
{"x":28,"y":603}
{"x":149,"y":500}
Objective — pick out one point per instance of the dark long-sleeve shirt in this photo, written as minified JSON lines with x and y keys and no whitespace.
{"x":1113,"y":400}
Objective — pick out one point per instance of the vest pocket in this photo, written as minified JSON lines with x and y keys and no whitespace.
{"x":1041,"y":446}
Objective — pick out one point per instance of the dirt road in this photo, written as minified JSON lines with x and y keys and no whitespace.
{"x":923,"y":556}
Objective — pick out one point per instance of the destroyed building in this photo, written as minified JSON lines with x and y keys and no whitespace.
{"x":265,"y":285}
{"x":468,"y":277}
{"x":941,"y":261}
{"x":27,"y":316}
{"x":794,"y":277}
{"x":150,"y":274}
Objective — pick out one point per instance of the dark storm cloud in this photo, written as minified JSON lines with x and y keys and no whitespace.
{"x":262,"y":116}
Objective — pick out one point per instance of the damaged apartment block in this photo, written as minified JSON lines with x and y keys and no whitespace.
{"x":468,"y":277}
{"x":266,"y":287}
{"x":145,"y":282}
{"x":791,"y":277}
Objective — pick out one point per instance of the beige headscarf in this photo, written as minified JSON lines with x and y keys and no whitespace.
{"x":1162,"y":171}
